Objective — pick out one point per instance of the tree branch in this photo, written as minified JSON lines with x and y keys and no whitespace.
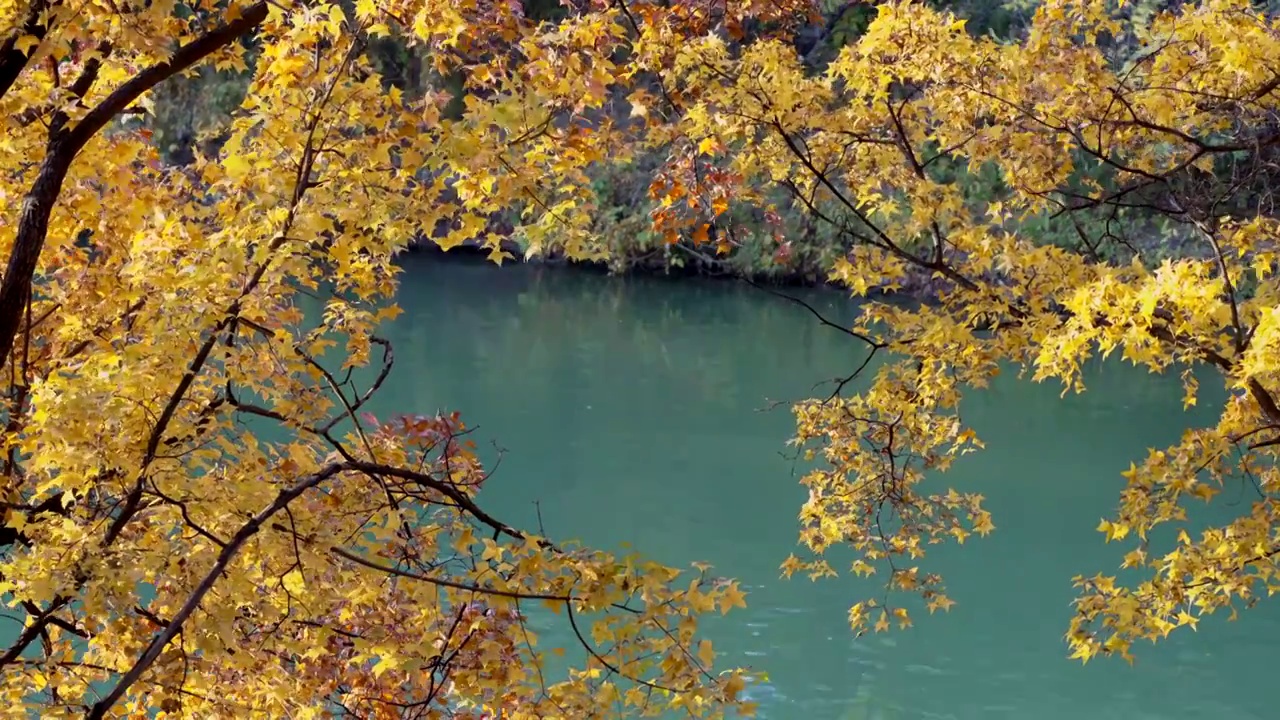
{"x":64,"y":145}
{"x":445,"y":583}
{"x":185,"y":57}
{"x":246,"y":531}
{"x":12,"y":60}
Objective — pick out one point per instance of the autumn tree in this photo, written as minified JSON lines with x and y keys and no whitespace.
{"x":163,"y":551}
{"x":164,"y":555}
{"x":1151,"y":138}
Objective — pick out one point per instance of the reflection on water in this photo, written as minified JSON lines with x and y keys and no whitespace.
{"x":634,"y":410}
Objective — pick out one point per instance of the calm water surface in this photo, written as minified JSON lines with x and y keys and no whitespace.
{"x":637,"y":411}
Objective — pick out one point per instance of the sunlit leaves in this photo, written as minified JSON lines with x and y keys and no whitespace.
{"x":200,"y":518}
{"x":352,"y":563}
{"x":1092,"y":116}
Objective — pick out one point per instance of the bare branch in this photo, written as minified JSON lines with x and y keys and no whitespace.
{"x":443,"y":582}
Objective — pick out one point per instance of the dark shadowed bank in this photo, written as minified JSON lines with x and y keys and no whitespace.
{"x":694,"y":266}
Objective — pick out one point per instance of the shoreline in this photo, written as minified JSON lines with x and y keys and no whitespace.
{"x":693,"y":271}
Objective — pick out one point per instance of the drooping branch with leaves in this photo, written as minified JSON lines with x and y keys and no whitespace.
{"x":1129,"y":133}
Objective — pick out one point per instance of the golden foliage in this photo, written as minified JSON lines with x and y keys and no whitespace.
{"x":1088,"y":112}
{"x":168,"y":559}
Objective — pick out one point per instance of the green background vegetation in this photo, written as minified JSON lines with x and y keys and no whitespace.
{"x":188,"y":112}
